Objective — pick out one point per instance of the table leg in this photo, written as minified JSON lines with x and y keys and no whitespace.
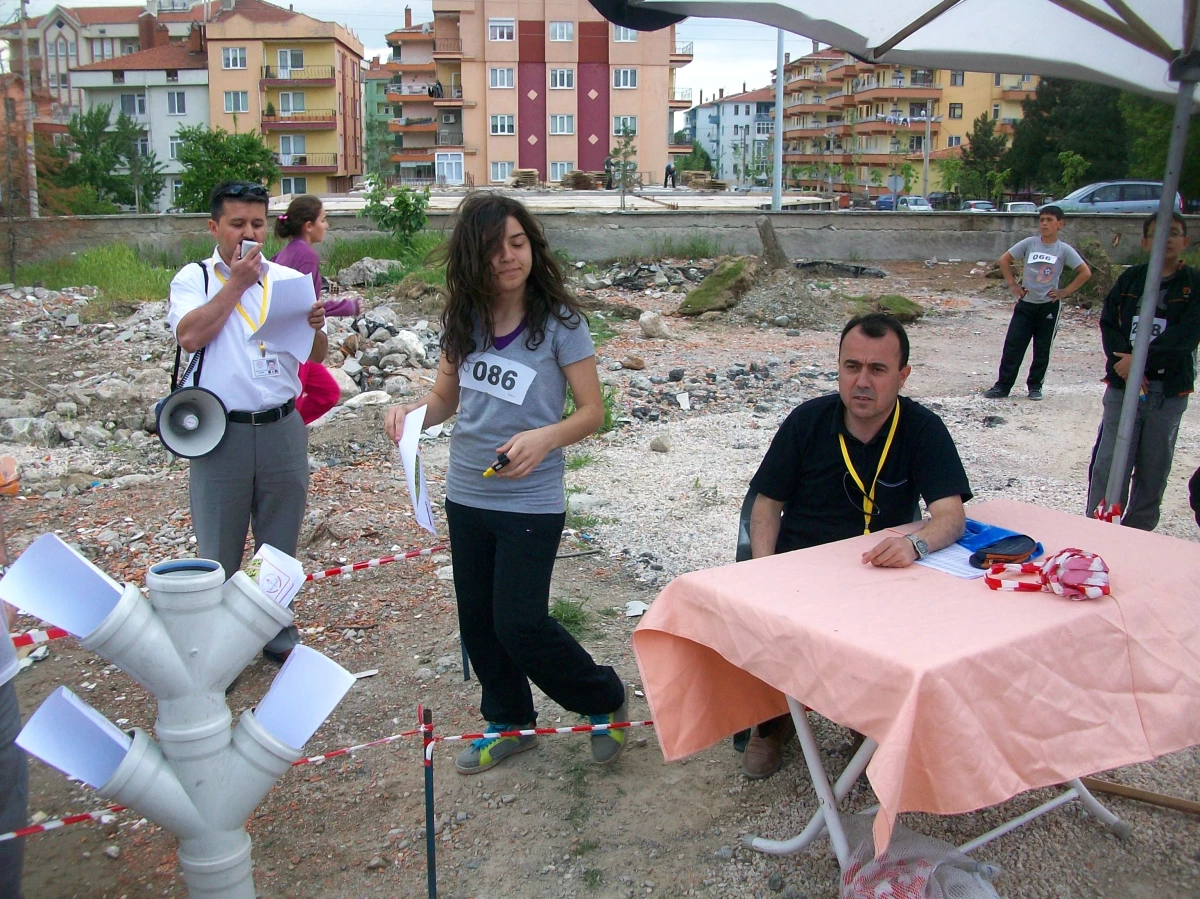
{"x":845,"y":782}
{"x":1077,"y":791}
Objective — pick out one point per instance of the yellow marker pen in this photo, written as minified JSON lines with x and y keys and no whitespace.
{"x":501,"y":461}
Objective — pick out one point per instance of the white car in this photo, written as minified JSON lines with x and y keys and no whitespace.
{"x":913,"y":204}
{"x":1021,"y":207}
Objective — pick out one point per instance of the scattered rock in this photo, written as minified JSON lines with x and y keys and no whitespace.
{"x":370,"y":398}
{"x":398,"y":385}
{"x":633,"y":363}
{"x":376,"y":863}
{"x":661,"y":444}
{"x":825,"y":269}
{"x":727,"y":284}
{"x":346,"y":384}
{"x":113,"y":851}
{"x":367,"y":271}
{"x":654,"y":325}
{"x":31,"y":431}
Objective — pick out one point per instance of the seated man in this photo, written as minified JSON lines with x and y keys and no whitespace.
{"x":851,"y":463}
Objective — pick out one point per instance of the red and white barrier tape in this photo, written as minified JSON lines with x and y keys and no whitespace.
{"x":30,"y":638}
{"x":57,"y":823}
{"x":541,"y":731}
{"x":349,"y":749}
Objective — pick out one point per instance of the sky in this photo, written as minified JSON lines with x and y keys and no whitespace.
{"x":727,"y":52}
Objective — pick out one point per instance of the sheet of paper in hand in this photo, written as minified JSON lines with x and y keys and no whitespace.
{"x":287,"y":329}
{"x":410,"y":455}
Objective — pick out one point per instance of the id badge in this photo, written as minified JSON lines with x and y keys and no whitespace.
{"x":265,"y":366}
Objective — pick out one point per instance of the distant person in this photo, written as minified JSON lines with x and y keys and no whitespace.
{"x":670,"y":175}
{"x":1168,"y":379}
{"x":303,"y":225}
{"x":609,"y":165}
{"x":1035,"y":316}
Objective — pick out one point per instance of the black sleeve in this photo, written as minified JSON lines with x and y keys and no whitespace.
{"x":779,"y":471}
{"x":1174,"y":346}
{"x":938,"y":471}
{"x":1194,"y":494}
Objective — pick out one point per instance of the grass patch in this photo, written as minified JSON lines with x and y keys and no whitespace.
{"x":718,"y":291}
{"x":582,"y":521}
{"x":608,"y":395}
{"x":593,"y":878}
{"x":577,"y":461}
{"x":696,"y":245}
{"x":576,"y":771}
{"x":601,"y":329}
{"x":572,"y":615}
{"x":124,"y":279}
{"x":893,"y":304}
{"x":414,"y":255}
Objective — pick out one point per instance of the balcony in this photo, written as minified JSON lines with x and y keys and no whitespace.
{"x":453,"y":98}
{"x":412,"y":154}
{"x":1006,"y":126}
{"x":450,"y":139}
{"x":682,"y":53}
{"x":310,"y":75}
{"x":1018,"y":92}
{"x":304,"y":120}
{"x":679,"y":149}
{"x":679,"y":98}
{"x":898,"y":90}
{"x":396,"y":92}
{"x":396,"y":65}
{"x":413,"y":125}
{"x":447,"y":47}
{"x":299,"y":163}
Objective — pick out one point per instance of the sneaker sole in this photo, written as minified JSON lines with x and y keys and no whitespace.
{"x":522,"y":747}
{"x":616,"y":755}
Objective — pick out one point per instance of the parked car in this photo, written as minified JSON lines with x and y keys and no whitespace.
{"x":977,"y":206}
{"x":913,"y":204}
{"x":941,"y":199}
{"x":1117,"y":196}
{"x":887,"y":201}
{"x":1021,"y":207}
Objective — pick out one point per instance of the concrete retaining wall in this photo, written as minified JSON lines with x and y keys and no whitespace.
{"x":847,"y":236}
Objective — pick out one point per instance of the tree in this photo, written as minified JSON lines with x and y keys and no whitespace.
{"x":623,"y":158}
{"x":377,"y":149}
{"x":212,"y":155}
{"x":1074,"y":167}
{"x":97,"y":152}
{"x":680,"y":137}
{"x":981,"y":155}
{"x":1148,"y":125}
{"x":696,"y":161}
{"x":404,"y":216}
{"x":950,"y":173}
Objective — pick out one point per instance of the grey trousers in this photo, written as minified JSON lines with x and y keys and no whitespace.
{"x":257,"y":476}
{"x":1151,"y":450}
{"x":14,"y":791}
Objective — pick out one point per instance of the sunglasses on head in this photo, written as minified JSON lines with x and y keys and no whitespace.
{"x":244,"y":188}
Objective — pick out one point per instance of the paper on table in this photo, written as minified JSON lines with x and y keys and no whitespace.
{"x":953,"y":559}
{"x":68,"y":734}
{"x":55,"y":583}
{"x":305,"y":691}
{"x":277,"y":574}
{"x":286,"y":328}
{"x":410,"y":454}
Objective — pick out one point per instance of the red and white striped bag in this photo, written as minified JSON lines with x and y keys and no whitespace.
{"x":1072,"y":573}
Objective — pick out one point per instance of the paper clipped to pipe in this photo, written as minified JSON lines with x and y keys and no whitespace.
{"x":286,"y":328}
{"x":68,"y":734}
{"x":414,"y":470}
{"x":276,"y":573}
{"x":307,"y":688}
{"x":55,"y":583}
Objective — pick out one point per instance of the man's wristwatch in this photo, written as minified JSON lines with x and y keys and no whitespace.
{"x":919,"y":545}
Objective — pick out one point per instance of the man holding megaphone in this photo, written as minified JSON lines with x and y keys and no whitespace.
{"x":249,"y":465}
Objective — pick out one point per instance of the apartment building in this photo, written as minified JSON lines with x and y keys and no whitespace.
{"x":14,"y":181}
{"x":736,"y":131}
{"x":490,"y":86}
{"x":376,"y":107}
{"x":298,"y":81}
{"x":849,"y":124}
{"x":163,"y":89}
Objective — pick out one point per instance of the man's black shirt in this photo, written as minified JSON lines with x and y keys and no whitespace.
{"x":804,"y":470}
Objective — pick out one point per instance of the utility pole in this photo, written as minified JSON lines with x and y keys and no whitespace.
{"x":777,"y":176}
{"x":30,"y":115}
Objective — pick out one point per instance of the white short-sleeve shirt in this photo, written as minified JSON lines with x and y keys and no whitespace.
{"x":229,"y":365}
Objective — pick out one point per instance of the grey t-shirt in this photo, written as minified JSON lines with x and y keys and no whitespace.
{"x":1043,"y":266}
{"x":504,"y":392}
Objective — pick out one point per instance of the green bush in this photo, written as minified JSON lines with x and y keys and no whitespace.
{"x":404,"y":216}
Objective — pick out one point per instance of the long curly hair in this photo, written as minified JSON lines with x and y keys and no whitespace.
{"x":471,"y":284}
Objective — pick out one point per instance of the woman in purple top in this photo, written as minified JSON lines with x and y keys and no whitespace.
{"x":304,"y":223}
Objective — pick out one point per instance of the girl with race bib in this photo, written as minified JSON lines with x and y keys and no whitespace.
{"x":513,"y":339}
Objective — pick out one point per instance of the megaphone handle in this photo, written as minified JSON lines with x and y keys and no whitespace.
{"x":197,"y":362}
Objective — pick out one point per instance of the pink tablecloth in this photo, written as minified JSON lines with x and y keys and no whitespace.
{"x":973,"y":695}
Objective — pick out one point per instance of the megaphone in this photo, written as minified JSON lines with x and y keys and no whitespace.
{"x":190,"y":422}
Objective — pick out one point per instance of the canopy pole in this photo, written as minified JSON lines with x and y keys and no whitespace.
{"x":1118,"y":473}
{"x":777,"y":177}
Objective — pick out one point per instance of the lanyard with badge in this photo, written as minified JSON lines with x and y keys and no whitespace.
{"x":266,"y":365}
{"x":869,"y":498}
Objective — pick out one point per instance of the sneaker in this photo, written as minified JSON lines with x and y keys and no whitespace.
{"x":608,"y":745}
{"x":1035,"y":393}
{"x":488,"y":752}
{"x":995,"y":393}
{"x":764,"y":753}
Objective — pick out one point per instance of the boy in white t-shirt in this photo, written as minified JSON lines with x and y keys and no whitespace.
{"x":1035,"y":316}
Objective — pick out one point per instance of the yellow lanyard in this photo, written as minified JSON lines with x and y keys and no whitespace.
{"x":262,"y":315}
{"x":869,"y":498}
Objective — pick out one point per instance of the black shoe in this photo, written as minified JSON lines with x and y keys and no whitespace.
{"x":995,"y":393}
{"x":1035,"y":393}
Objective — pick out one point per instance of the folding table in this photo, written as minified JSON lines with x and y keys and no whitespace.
{"x":967,"y":696}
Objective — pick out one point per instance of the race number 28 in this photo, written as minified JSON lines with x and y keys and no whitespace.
{"x":496,"y":376}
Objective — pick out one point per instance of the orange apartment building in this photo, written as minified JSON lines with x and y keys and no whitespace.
{"x":849,"y":124}
{"x":490,"y":86}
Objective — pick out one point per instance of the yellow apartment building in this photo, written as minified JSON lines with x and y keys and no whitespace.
{"x":490,"y":86}
{"x":298,"y":81}
{"x":850,"y":124}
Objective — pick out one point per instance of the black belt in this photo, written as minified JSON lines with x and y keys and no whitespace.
{"x":262,"y":418}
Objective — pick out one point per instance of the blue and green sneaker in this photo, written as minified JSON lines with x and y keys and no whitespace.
{"x":488,"y":752}
{"x":607,"y":745}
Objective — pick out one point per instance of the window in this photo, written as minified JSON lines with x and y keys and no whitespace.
{"x":623,"y":122}
{"x":62,"y":47}
{"x":1139,"y":192}
{"x":956,"y":110}
{"x":1025,"y":79}
{"x":382,"y":109}
{"x":128,"y":47}
{"x":562,"y":124}
{"x":118,"y":77}
{"x":500,"y":30}
{"x":133,"y":104}
{"x":562,"y":31}
{"x":764,"y":127}
{"x":237,"y":101}
{"x":172,"y":76}
{"x":1108,"y":194}
{"x":176,"y":103}
{"x":559,"y":170}
{"x":10,"y":109}
{"x":291,"y":101}
{"x":624,"y":35}
{"x":996,"y":82}
{"x":291,"y":143}
{"x":501,"y":171}
{"x":956,"y":79}
{"x":627,"y":78}
{"x":500,"y":77}
{"x":290,"y":59}
{"x":995,"y":110}
{"x":51,"y":50}
{"x":233,"y":57}
{"x":294,"y":185}
{"x":176,"y":189}
{"x":142,"y":146}
{"x":176,"y":143}
{"x":102,"y":48}
{"x":71,"y":50}
{"x":954,"y":140}
{"x":448,"y":167}
{"x":562,"y":79}
{"x":504,"y":124}
{"x":53,"y":81}
{"x":916,"y":142}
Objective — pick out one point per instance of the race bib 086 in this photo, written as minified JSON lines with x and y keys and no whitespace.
{"x":496,"y":376}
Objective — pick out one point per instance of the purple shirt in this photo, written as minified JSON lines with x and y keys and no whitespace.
{"x":300,"y":256}
{"x":503,"y":340}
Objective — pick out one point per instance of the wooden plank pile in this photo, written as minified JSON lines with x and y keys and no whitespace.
{"x":577,"y":180}
{"x":524,"y":178}
{"x":702,"y":181}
